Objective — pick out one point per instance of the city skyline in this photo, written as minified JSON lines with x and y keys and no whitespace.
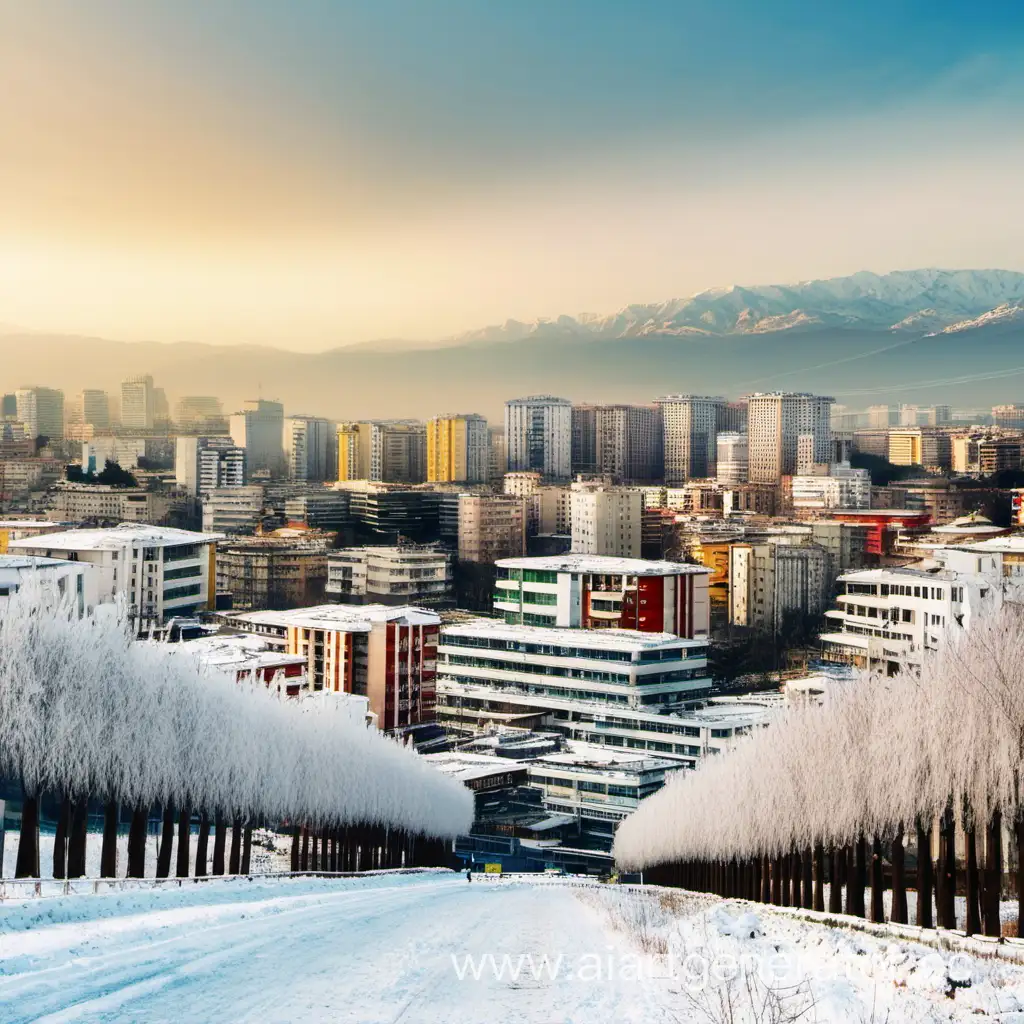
{"x":328,"y":174}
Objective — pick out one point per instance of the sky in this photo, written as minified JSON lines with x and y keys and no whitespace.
{"x":322,"y":172}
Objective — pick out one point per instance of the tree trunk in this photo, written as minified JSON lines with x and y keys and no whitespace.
{"x":60,"y":839}
{"x":860,"y":879}
{"x":1018,"y":828}
{"x":184,"y":841}
{"x":851,"y":881}
{"x":947,"y":870}
{"x":304,"y":860}
{"x":898,"y":914}
{"x":807,"y":883}
{"x":235,"y":856}
{"x":108,"y":852}
{"x":766,"y":880}
{"x":27,"y":864}
{"x":295,"y":847}
{"x":993,"y":873}
{"x":877,"y":882}
{"x":972,"y":918}
{"x":925,"y":876}
{"x":835,"y":887}
{"x":818,"y":902}
{"x":202,"y":844}
{"x":777,"y":881}
{"x":77,"y":838}
{"x":220,"y":835}
{"x":137,"y":843}
{"x":247,"y":848}
{"x":163,"y":857}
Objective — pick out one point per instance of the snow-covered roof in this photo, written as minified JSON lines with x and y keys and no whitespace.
{"x":347,"y":618}
{"x":234,"y":652}
{"x":468,"y":766}
{"x":1012,"y":544}
{"x":603,"y":564}
{"x":13,"y":566}
{"x":116,"y":538}
{"x":601,"y":639}
{"x":601,"y":760}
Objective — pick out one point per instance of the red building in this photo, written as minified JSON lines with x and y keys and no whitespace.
{"x":884,"y":525}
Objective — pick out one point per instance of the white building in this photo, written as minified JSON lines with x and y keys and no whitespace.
{"x":232,"y":510}
{"x":842,"y":488}
{"x":125,"y":451}
{"x":594,"y":592}
{"x":258,"y":428}
{"x":203,"y":464}
{"x":310,"y":448}
{"x":733,"y":459}
{"x":92,"y":503}
{"x":159,"y":571}
{"x":787,"y":433}
{"x":138,"y":409}
{"x":75,"y":581}
{"x":538,"y":435}
{"x":605,"y":520}
{"x":408,"y":574}
{"x":768,"y":581}
{"x":689,"y":430}
{"x":42,"y":411}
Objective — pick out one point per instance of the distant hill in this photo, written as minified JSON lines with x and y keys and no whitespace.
{"x":955,"y":337}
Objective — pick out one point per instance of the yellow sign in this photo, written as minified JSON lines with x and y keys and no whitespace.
{"x":492,"y":869}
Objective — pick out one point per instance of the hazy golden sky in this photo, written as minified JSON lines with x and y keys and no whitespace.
{"x":312,"y":173}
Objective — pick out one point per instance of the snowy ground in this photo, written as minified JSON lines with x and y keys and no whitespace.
{"x":432,"y":948}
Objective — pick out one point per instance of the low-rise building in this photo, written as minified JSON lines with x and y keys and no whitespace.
{"x":106,"y":503}
{"x":769,"y":581}
{"x":491,"y":526}
{"x":284,"y":569}
{"x":594,"y":591}
{"x":75,"y":582}
{"x":234,"y":511}
{"x":842,"y":488}
{"x":418,"y":574}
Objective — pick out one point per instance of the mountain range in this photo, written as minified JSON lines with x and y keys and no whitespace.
{"x":949,"y":336}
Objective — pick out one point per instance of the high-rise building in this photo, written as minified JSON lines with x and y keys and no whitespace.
{"x":491,"y":526}
{"x":689,"y":430}
{"x":880,"y":416}
{"x":258,"y":428}
{"x":498,"y":453}
{"x":605,"y":520}
{"x":787,"y":433}
{"x":628,"y":443}
{"x":420,"y":574}
{"x":310,"y":448}
{"x":9,"y":407}
{"x":458,"y":449}
{"x":538,"y":432}
{"x":203,"y":464}
{"x":197,"y":410}
{"x":387,"y":451}
{"x":95,"y":408}
{"x":1010,"y":416}
{"x":732,"y":417}
{"x":161,"y":408}
{"x":42,"y":411}
{"x":921,"y":446}
{"x":733,"y":458}
{"x":769,"y":581}
{"x":137,"y":402}
{"x":584,"y":439}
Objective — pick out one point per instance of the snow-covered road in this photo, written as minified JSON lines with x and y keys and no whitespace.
{"x":430,"y":948}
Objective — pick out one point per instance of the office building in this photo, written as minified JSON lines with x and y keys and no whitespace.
{"x":491,"y":526}
{"x":628,"y":443}
{"x":595,"y":592}
{"x":842,"y":488}
{"x":921,"y":446}
{"x":732,"y":463}
{"x":538,"y":433}
{"x":787,"y":434}
{"x":458,"y":449}
{"x":605,"y":520}
{"x":1009,"y":416}
{"x":584,"y":456}
{"x":419,"y":574}
{"x":42,"y":411}
{"x":259,"y":428}
{"x":95,"y":409}
{"x":498,"y":453}
{"x":389,"y":513}
{"x":310,"y":448}
{"x":233,"y":511}
{"x":324,"y":509}
{"x":998,"y":455}
{"x":199,"y":411}
{"x":689,"y":433}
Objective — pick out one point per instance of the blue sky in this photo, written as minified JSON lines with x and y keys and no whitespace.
{"x":337,"y":171}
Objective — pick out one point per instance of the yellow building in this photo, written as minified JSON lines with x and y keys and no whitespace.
{"x":905,"y":448}
{"x":458,"y":449}
{"x":349,"y":450}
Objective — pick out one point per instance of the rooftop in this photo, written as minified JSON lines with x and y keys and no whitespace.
{"x":349,"y":618}
{"x":233,"y":651}
{"x":603,"y":564}
{"x":466,"y":767}
{"x":608,"y":639}
{"x":115,"y":538}
{"x":881,"y":513}
{"x":27,"y":563}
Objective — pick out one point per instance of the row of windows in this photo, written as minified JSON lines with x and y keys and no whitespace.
{"x":192,"y":590}
{"x":185,"y":572}
{"x":527,"y":597}
{"x":523,"y":647}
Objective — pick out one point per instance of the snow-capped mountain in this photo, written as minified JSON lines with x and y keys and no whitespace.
{"x":919,"y":301}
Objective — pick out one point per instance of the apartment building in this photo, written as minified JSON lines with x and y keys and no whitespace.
{"x":787,"y":433}
{"x":204,"y":464}
{"x":594,"y":592}
{"x":125,"y":451}
{"x":458,"y":449}
{"x":689,"y":436}
{"x":628,"y":440}
{"x":310,"y":448}
{"x":103,"y":503}
{"x":386,"y":654}
{"x":199,"y":411}
{"x":538,"y":433}
{"x":769,"y":581}
{"x":419,"y":574}
{"x":285,"y":569}
{"x":491,"y":526}
{"x":732,"y":459}
{"x":998,"y":455}
{"x":842,"y":488}
{"x":42,"y":411}
{"x":160,"y":572}
{"x":605,"y":520}
{"x":258,"y":428}
{"x":584,"y":439}
{"x":233,"y":511}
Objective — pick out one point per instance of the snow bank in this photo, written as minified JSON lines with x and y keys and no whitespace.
{"x":85,"y":712}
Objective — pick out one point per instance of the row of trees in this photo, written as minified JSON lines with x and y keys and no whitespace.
{"x":87,"y":714}
{"x":885,"y":759}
